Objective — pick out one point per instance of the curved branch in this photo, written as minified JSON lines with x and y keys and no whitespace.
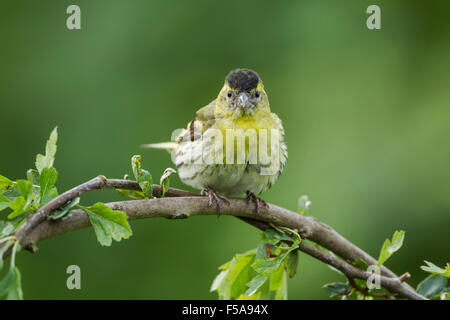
{"x":182,"y":204}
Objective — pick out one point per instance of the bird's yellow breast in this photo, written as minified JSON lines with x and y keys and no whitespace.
{"x":251,"y":128}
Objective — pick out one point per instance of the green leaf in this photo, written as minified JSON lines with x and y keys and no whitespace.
{"x":65,"y":210}
{"x":2,"y":251}
{"x":5,"y":183}
{"x":218,"y":280}
{"x":143,"y":177}
{"x":263,"y":249}
{"x":270,"y":265}
{"x":6,"y":228}
{"x":390,"y":247}
{"x":165,"y":179}
{"x":267,"y":267}
{"x":25,"y":188}
{"x":337,"y":288}
{"x":11,"y":194}
{"x":241,"y":274}
{"x":108,"y":224}
{"x":11,"y":286}
{"x":255,"y":284}
{"x":432,"y":268}
{"x":46,"y":161}
{"x":133,"y":194}
{"x":360,"y":264}
{"x":47,"y":181}
{"x":291,"y":263}
{"x":262,"y":293}
{"x":432,"y":285}
{"x":33,"y":176}
{"x":4,"y":202}
{"x":278,"y":284}
{"x":253,"y":275}
{"x":275,"y":236}
{"x":17,"y":206}
{"x":232,"y":280}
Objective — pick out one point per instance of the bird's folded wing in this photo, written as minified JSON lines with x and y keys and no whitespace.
{"x":207,"y":113}
{"x":204,"y":119}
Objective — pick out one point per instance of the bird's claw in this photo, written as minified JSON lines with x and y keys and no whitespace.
{"x":256,"y":200}
{"x":215,"y":198}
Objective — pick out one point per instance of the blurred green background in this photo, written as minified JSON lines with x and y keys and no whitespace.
{"x":366,"y":114}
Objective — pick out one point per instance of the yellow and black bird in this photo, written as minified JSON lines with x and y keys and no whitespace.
{"x":208,"y":154}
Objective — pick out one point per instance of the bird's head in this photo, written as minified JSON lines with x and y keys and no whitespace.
{"x":242,"y":95}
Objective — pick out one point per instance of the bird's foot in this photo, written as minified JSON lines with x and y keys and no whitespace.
{"x":215,"y":198}
{"x":256,"y":200}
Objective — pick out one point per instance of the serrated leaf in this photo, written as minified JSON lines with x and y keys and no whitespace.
{"x":263,"y":249}
{"x":268,"y":266}
{"x":241,"y":274}
{"x":291,"y":263}
{"x":337,"y":288}
{"x":2,"y":251}
{"x":275,"y":236}
{"x":17,"y":206}
{"x":255,"y":284}
{"x":47,"y":181}
{"x":225,"y":266}
{"x":223,"y":281}
{"x":11,"y":194}
{"x":432,"y":268}
{"x":108,"y":224}
{"x":6,"y":228}
{"x":264,"y":271}
{"x":262,"y":293}
{"x":278,"y":284}
{"x":33,"y":176}
{"x":46,"y":161}
{"x":390,"y":247}
{"x":231,"y":281}
{"x":65,"y":210}
{"x":25,"y":188}
{"x":5,"y":183}
{"x":165,"y":180}
{"x":432,"y":285}
{"x":143,"y":177}
{"x":4,"y":202}
{"x":218,"y":280}
{"x":360,"y":264}
{"x":10,"y":285}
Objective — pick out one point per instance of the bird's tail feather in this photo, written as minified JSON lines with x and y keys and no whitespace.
{"x":169,"y":146}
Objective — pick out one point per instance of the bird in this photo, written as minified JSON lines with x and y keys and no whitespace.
{"x":234,"y":145}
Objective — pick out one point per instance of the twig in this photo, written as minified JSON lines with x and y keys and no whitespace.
{"x":187,"y":204}
{"x":392,"y":284}
{"x":365,"y":291}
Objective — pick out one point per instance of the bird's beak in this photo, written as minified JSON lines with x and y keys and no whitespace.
{"x":243,"y":100}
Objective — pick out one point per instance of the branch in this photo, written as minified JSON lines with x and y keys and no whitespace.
{"x":181,"y":204}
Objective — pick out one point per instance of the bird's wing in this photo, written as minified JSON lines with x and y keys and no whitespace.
{"x":207,"y":113}
{"x":204,"y":119}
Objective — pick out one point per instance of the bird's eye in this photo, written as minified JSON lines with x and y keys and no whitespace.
{"x":229,"y":94}
{"x":257,"y":94}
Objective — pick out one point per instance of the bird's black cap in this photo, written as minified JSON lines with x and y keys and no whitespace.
{"x":243,"y":79}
